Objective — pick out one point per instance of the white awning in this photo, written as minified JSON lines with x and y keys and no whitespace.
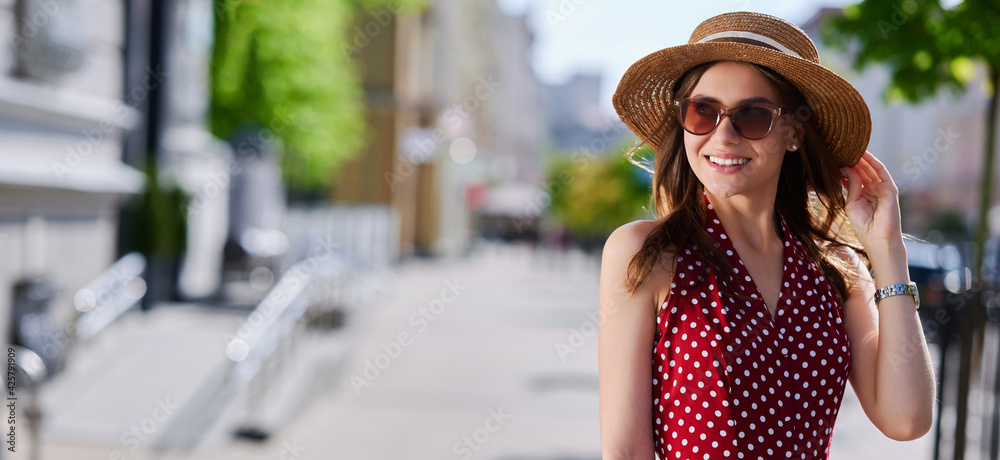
{"x":516,"y":199}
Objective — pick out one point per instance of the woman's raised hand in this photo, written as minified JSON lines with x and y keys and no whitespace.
{"x":872,"y":202}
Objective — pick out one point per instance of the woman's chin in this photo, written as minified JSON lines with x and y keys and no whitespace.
{"x":723,"y":190}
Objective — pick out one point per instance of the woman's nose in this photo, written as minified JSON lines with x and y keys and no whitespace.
{"x":726,"y":132}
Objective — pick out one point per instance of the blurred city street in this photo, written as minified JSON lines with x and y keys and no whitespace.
{"x":490,"y":352}
{"x":372,"y":229}
{"x":494,"y":351}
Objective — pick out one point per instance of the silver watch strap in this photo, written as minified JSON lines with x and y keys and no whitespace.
{"x":898,"y":289}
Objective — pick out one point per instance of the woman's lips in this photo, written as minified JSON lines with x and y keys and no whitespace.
{"x":725,"y":169}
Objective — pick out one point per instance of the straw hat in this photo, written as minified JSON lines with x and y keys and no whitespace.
{"x":645,"y":94}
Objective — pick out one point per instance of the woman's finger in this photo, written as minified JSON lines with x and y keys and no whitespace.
{"x":880,"y":169}
{"x":882,"y":172}
{"x":870,"y":171}
{"x":861,"y":172}
{"x":853,"y":184}
{"x":859,"y":168}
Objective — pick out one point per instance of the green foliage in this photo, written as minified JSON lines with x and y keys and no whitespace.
{"x":283,"y":66}
{"x":925,"y":45}
{"x":592,"y":194}
{"x":160,"y":227}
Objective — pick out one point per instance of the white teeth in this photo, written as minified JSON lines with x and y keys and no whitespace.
{"x":720,"y":161}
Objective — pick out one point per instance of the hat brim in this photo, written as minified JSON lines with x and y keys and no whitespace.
{"x":644,"y":97}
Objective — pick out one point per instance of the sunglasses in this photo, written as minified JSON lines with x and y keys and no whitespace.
{"x":751,"y":121}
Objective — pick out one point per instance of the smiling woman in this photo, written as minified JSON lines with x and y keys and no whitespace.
{"x":752,"y":285}
{"x":742,"y":153}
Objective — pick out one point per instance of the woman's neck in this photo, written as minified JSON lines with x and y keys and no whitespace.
{"x":752,"y":222}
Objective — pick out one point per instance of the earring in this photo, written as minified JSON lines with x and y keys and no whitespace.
{"x":794,"y":147}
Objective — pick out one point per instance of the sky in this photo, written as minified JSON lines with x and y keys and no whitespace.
{"x":606,"y":36}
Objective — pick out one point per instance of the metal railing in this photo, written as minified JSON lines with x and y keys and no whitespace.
{"x":110,"y":295}
{"x":100,"y":302}
{"x":268,"y":328}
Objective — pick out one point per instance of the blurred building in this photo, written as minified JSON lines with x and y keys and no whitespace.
{"x":389,"y":54}
{"x":933,"y":150}
{"x":575,"y":119}
{"x":191,"y":157}
{"x":515,"y":117}
{"x":456,"y":110}
{"x":64,"y":107}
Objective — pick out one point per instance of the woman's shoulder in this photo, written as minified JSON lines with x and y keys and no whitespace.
{"x":633,"y":232}
{"x":627,"y":240}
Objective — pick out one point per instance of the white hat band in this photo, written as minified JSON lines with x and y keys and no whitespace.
{"x":749,"y":38}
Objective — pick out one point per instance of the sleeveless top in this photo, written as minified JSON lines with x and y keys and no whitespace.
{"x":730,"y":380}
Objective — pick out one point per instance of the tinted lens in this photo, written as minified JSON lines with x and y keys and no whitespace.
{"x":699,"y":117}
{"x":752,"y":122}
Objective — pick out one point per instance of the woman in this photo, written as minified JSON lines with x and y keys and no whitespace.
{"x":751,"y":291}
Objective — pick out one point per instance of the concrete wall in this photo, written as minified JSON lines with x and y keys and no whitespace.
{"x":62,"y":179}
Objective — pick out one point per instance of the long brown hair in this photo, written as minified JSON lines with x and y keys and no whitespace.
{"x":809,"y":197}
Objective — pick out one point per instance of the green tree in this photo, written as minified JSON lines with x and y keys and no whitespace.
{"x":928,"y":47}
{"x":286,"y":68}
{"x":591,"y":195}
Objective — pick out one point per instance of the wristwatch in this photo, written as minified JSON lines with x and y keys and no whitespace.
{"x":898,"y":289}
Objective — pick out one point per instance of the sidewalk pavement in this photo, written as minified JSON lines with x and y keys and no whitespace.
{"x":490,"y":357}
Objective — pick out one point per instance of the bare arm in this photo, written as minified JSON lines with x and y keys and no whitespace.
{"x":891,"y":370}
{"x":626,"y":329}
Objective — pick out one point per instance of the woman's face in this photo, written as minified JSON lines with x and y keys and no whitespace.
{"x":733,"y":84}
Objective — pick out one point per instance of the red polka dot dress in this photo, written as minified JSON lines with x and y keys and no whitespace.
{"x":730,"y":380}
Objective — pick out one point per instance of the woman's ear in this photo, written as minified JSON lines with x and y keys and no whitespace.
{"x":796,"y":135}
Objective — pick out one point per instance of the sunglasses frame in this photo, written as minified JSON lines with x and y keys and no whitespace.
{"x":721,"y":111}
